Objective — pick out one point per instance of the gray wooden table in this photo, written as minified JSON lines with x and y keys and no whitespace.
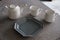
{"x":7,"y":31}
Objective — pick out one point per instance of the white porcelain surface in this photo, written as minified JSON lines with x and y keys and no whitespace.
{"x":40,"y":14}
{"x":33,"y":9}
{"x":50,"y":16}
{"x":14,"y":12}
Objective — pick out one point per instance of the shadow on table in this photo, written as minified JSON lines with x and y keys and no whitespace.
{"x":11,"y":34}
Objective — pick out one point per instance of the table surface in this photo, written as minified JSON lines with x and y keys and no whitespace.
{"x":49,"y":32}
{"x":7,"y":31}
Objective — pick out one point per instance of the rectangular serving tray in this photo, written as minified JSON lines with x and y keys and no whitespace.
{"x":28,"y":26}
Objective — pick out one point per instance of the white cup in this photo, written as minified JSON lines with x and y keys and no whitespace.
{"x":40,"y":14}
{"x":50,"y":16}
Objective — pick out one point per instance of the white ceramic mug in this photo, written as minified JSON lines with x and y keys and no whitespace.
{"x":13,"y":11}
{"x":50,"y":16}
{"x":33,"y":9}
{"x":40,"y":14}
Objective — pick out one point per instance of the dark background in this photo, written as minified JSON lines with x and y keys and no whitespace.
{"x":45,"y":0}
